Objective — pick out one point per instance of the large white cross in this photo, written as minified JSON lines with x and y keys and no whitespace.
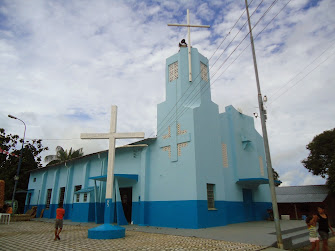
{"x":112,"y":136}
{"x":188,"y":25}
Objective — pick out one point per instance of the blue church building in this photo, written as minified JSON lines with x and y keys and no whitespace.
{"x":203,"y":169}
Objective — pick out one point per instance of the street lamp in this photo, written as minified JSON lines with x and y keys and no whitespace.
{"x":16,"y":177}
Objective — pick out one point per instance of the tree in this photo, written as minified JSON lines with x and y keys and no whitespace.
{"x":321,"y":159}
{"x":9,"y":162}
{"x":63,"y":155}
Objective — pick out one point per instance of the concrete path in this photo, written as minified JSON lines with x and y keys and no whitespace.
{"x":38,"y":236}
{"x":261,"y":233}
{"x":258,"y":233}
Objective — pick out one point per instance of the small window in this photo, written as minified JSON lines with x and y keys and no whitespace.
{"x":173,"y":71}
{"x":77,"y":188}
{"x":210,"y":196}
{"x":224,"y":155}
{"x":48,"y":198}
{"x":261,"y":166}
{"x":85,"y":197}
{"x":204,"y":72}
{"x":34,"y":179}
{"x":61,"y":195}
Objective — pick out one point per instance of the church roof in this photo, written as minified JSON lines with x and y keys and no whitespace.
{"x":140,"y":143}
{"x":302,"y":194}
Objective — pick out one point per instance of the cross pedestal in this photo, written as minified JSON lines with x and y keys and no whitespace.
{"x":107,"y":230}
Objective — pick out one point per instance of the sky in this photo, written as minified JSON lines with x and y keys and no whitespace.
{"x":64,"y":63}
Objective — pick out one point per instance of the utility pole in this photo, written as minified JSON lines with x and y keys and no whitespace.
{"x":266,"y":142}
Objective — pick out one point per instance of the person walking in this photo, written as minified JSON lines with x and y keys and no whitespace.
{"x":324,"y":227}
{"x":60,"y":212}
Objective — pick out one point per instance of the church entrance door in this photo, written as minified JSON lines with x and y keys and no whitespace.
{"x":248,"y":205}
{"x":126,"y":199}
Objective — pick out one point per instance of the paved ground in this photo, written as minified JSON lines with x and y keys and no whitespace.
{"x":258,"y":232}
{"x":37,"y":235}
{"x":331,"y":245}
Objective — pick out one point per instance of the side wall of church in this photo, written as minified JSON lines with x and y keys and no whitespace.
{"x":74,"y":173}
{"x":245,"y":168}
{"x":85,"y":206}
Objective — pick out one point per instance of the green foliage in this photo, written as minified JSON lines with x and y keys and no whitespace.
{"x":8,"y":164}
{"x":321,"y":159}
{"x":63,"y":155}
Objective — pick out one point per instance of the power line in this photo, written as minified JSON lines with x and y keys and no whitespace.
{"x":185,"y":108}
{"x":302,"y":78}
{"x":163,"y":125}
{"x":254,"y":39}
{"x":230,"y":31}
{"x":58,"y":139}
{"x":301,"y":71}
{"x":237,"y":32}
{"x":273,"y":3}
{"x":207,"y":86}
{"x":196,"y":94}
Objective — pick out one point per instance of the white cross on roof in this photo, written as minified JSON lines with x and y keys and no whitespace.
{"x":188,"y":25}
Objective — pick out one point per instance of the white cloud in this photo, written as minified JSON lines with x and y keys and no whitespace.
{"x":63,"y":64}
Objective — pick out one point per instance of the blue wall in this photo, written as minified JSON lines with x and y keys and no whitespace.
{"x":83,"y":212}
{"x":171,"y":191}
{"x":195,"y":214}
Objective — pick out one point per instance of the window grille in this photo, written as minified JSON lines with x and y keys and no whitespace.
{"x":179,"y":131}
{"x":168,"y":135}
{"x":167,"y":149}
{"x":77,"y":188}
{"x":224,"y":155}
{"x":261,"y":166}
{"x":173,"y":71}
{"x":179,"y":146}
{"x":210,"y":196}
{"x":204,"y":72}
{"x":48,"y":198}
{"x":85,"y":197}
{"x":61,"y":195}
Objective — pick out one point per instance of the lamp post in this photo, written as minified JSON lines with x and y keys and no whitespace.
{"x":16,"y":177}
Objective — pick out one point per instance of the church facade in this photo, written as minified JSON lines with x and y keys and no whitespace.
{"x":203,"y":169}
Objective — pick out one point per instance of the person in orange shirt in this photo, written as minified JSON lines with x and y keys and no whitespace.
{"x":60,"y":212}
{"x":9,"y":209}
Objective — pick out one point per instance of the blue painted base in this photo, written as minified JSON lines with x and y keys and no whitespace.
{"x":107,"y":231}
{"x":175,"y":214}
